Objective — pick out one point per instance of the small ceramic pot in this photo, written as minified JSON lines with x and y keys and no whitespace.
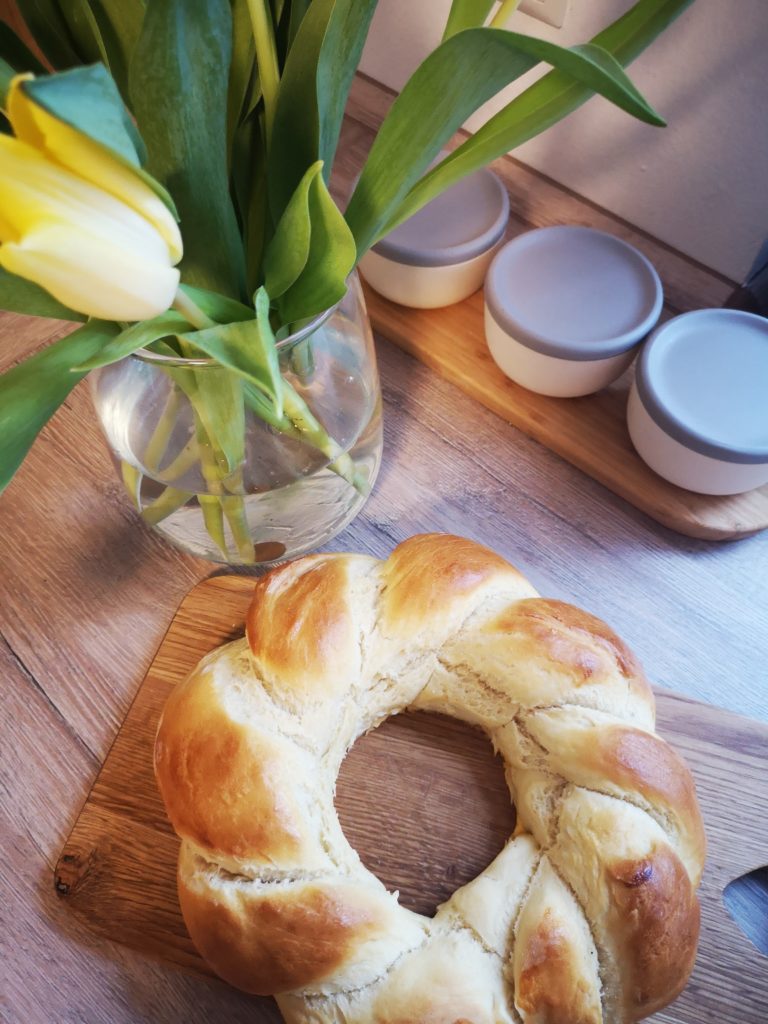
{"x":698,"y":410}
{"x":567,"y":307}
{"x":441,"y":254}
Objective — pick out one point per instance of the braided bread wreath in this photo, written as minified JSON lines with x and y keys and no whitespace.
{"x":589,"y":913}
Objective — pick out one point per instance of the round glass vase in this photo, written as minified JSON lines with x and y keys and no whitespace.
{"x":209,"y":464}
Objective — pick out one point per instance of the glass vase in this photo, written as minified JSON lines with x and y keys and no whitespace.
{"x":210,"y":466}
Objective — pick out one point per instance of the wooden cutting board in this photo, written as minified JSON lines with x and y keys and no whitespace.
{"x":590,"y":432}
{"x":423,"y":800}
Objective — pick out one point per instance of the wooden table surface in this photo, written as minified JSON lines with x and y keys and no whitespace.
{"x":87,"y":593}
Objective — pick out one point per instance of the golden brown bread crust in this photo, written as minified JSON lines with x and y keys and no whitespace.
{"x":433,"y":578}
{"x":656,"y":908}
{"x":299,"y":627}
{"x":280,"y":938}
{"x":228,"y":787}
{"x":555,"y":965}
{"x":588,"y":916}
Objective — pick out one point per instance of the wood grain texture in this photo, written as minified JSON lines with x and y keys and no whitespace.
{"x":87,"y":592}
{"x":426,"y":807}
{"x":590,"y":432}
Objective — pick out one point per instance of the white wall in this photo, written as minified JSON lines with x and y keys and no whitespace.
{"x":701,"y":184}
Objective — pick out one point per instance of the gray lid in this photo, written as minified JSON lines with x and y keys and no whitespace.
{"x":573,"y":292}
{"x":703,"y":378}
{"x":465,"y":221}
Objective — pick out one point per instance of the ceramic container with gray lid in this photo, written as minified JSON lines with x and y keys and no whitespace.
{"x":698,"y":410}
{"x":566,"y":308}
{"x":441,"y":254}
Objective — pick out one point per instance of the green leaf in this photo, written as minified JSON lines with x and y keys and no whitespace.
{"x":6,"y":77}
{"x":135,"y":337}
{"x":84,"y":30}
{"x":88,"y":100}
{"x":247,"y":348}
{"x":17,"y":295}
{"x":16,"y":55}
{"x":217,"y":398}
{"x":119,"y":23}
{"x":298,"y":9}
{"x":331,"y":257}
{"x":455,"y":80}
{"x":313,"y":92}
{"x":288,"y":251}
{"x":547,"y":101}
{"x":179,"y":75}
{"x":31,"y":392}
{"x":218,"y":307}
{"x":249,"y":186}
{"x":267,"y":341}
{"x":49,"y":29}
{"x":241,"y":69}
{"x":466,"y":14}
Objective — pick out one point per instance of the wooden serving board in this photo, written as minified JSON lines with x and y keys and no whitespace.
{"x":423,"y":800}
{"x":590,"y":432}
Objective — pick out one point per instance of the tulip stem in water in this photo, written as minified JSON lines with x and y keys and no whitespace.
{"x":157,"y":445}
{"x":164,"y":505}
{"x":220,"y":461}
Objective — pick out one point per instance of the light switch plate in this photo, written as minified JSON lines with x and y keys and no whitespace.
{"x":551,"y":12}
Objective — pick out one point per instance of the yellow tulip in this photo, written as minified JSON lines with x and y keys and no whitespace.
{"x":78,"y":222}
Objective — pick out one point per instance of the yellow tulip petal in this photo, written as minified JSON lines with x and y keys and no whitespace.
{"x":90,"y":275}
{"x":8,"y":232}
{"x":34,"y":192}
{"x":87,"y":159}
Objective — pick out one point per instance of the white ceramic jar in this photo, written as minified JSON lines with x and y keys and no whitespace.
{"x":698,"y":409}
{"x":441,"y":254}
{"x":567,"y":307}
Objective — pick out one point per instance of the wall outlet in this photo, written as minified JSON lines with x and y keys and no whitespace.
{"x":551,"y":12}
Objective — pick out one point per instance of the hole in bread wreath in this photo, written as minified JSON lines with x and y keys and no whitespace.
{"x":587,"y":915}
{"x":424,"y":802}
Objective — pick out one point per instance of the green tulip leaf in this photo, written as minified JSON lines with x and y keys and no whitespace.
{"x":135,"y":337}
{"x":241,"y":69}
{"x":17,"y":295}
{"x":48,"y":28}
{"x":274,"y":389}
{"x":31,"y":392}
{"x":179,"y":76}
{"x":247,"y":348}
{"x":466,"y":14}
{"x":218,"y":307}
{"x":7,"y":75}
{"x":85,"y":31}
{"x":331,"y":257}
{"x":547,"y":101}
{"x":88,"y":100}
{"x":217,"y":398}
{"x":288,"y":251}
{"x":16,"y":54}
{"x":455,"y":80}
{"x":313,"y":92}
{"x":298,"y":9}
{"x":249,"y":185}
{"x":119,"y":25}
